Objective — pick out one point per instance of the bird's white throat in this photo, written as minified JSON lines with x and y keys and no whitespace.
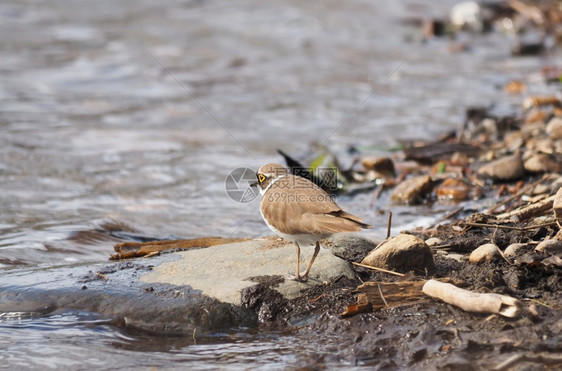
{"x":262,"y":191}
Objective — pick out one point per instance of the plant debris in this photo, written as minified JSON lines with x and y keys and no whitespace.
{"x":126,"y":250}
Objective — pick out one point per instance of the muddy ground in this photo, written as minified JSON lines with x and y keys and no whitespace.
{"x":427,"y":334}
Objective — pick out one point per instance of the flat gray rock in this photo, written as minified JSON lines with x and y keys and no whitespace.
{"x":223,"y":271}
{"x":173,"y":293}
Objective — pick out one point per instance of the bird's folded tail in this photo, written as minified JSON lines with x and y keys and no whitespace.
{"x":353,"y":218}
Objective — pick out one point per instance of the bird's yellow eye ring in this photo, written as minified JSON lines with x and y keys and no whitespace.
{"x":261,"y":178}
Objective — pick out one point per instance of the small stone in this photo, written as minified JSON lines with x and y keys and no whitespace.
{"x":433,"y":241}
{"x":504,"y":169}
{"x":532,"y":130}
{"x":542,"y":145}
{"x":550,"y":247}
{"x":411,"y":191}
{"x":541,"y":163}
{"x":349,"y":246}
{"x":513,"y":141}
{"x":540,"y":189}
{"x":553,"y":260}
{"x":515,"y":249}
{"x":453,"y":189}
{"x":554,"y":128}
{"x":382,"y":166}
{"x":483,"y":253}
{"x":461,"y":258}
{"x":402,"y":253}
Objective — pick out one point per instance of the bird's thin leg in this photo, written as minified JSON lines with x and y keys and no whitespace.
{"x":297,"y":276}
{"x":316,"y":250}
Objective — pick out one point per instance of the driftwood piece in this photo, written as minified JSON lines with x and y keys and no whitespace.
{"x":363,"y":306}
{"x":520,"y":193}
{"x":529,"y":211}
{"x":377,"y":295}
{"x":472,"y":301}
{"x":126,"y":250}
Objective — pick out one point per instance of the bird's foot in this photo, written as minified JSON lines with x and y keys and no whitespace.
{"x":299,"y":278}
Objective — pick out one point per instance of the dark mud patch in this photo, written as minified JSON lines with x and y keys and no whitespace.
{"x":427,"y":334}
{"x":268,"y":303}
{"x":469,"y":239}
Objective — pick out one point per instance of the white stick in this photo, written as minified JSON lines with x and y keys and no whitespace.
{"x":472,"y":301}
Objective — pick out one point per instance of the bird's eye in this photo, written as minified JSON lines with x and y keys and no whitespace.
{"x":261,"y":178}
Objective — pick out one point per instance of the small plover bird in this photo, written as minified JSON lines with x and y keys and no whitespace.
{"x":299,"y":211}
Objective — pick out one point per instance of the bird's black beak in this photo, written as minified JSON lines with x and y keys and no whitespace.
{"x":254,"y":184}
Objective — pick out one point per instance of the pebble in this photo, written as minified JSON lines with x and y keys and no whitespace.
{"x":433,"y":241}
{"x":504,"y":169}
{"x":554,"y":128}
{"x":533,"y":130}
{"x":411,"y":191}
{"x":541,"y":163}
{"x":550,"y":247}
{"x":382,"y":166}
{"x":483,"y":253}
{"x":402,"y":253}
{"x":453,"y":189}
{"x":541,"y":145}
{"x":515,"y":249}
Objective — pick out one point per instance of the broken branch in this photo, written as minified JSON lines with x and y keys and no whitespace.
{"x":127,"y":250}
{"x":378,"y":269}
{"x":472,"y":301}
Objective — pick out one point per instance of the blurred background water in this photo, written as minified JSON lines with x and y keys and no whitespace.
{"x":128,"y":115}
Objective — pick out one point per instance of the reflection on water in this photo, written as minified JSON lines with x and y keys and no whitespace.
{"x":103,"y":133}
{"x":83,"y":340}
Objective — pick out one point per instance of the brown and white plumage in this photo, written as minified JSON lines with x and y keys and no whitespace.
{"x":300,"y":211}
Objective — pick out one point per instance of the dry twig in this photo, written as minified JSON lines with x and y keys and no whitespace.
{"x":378,"y":269}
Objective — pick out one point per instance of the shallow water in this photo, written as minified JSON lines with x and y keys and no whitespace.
{"x":124,"y":118}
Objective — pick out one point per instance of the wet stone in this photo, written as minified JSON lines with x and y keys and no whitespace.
{"x":453,"y":189}
{"x":209,"y":289}
{"x":412,"y":190}
{"x":382,"y":166}
{"x":229,"y":268}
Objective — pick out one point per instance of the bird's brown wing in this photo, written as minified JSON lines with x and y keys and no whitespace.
{"x":301,"y":207}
